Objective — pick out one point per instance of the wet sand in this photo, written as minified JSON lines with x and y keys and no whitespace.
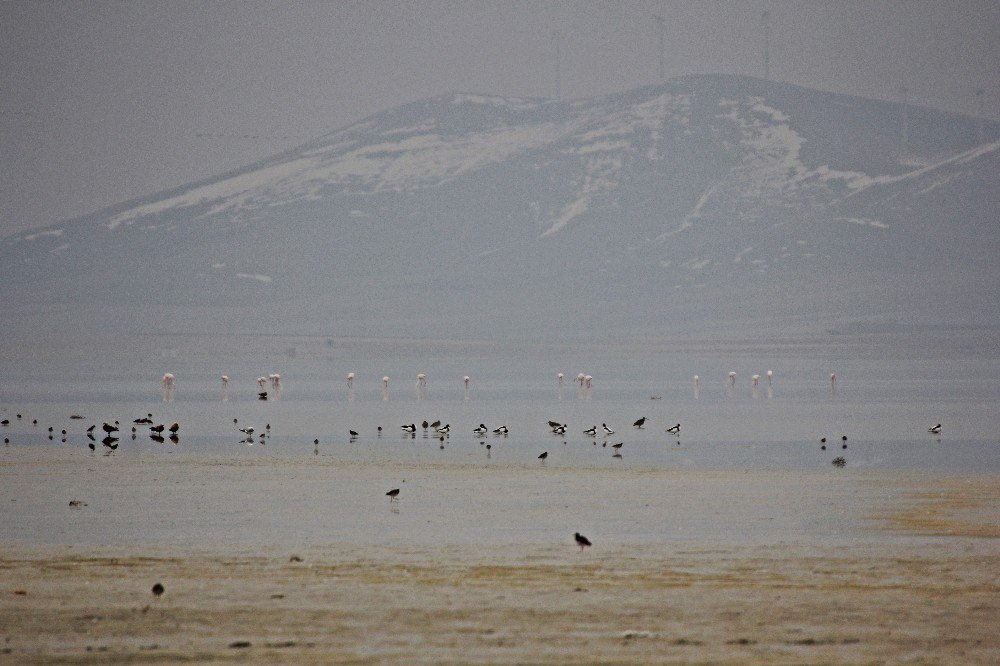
{"x":915,"y":583}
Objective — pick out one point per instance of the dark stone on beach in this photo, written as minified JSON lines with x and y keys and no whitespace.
{"x":240,"y":644}
{"x":158,"y":589}
{"x":76,"y":504}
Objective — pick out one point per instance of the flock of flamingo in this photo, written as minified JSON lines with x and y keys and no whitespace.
{"x":586,"y":382}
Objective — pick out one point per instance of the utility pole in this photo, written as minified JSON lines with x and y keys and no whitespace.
{"x":765,"y":23}
{"x":660,"y":29}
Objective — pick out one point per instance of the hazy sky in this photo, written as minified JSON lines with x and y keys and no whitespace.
{"x":102,"y":101}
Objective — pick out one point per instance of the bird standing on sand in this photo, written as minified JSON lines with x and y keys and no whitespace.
{"x":409,"y":428}
{"x":543,"y":455}
{"x":591,"y":431}
{"x":936,"y":430}
{"x":675,"y":430}
{"x":607,"y":430}
{"x":393,"y":494}
{"x":639,"y":423}
{"x":581,"y":540}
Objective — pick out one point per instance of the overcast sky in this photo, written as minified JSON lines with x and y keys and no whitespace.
{"x":101,"y":102}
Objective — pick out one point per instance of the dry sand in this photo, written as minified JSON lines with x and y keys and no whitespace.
{"x":922,"y":587}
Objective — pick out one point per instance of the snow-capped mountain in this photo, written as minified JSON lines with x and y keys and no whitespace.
{"x":706,"y":199}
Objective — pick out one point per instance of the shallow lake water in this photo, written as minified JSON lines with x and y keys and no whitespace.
{"x":747,"y":465}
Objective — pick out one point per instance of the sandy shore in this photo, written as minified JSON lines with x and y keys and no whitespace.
{"x":887,"y":599}
{"x":475,"y":565}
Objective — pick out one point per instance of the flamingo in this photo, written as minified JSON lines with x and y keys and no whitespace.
{"x":755,"y":380}
{"x":350,"y":380}
{"x":833,"y":382}
{"x":385,"y":387}
{"x":167,"y":383}
{"x":465,"y":386}
{"x":275,"y":381}
{"x":261,"y":382}
{"x":732,"y":379}
{"x":559,"y":378}
{"x":770,"y":376}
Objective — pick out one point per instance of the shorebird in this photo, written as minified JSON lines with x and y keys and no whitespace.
{"x":639,"y":423}
{"x":502,"y":430}
{"x":353,"y":433}
{"x":543,"y":455}
{"x":76,"y":417}
{"x":559,"y":430}
{"x":591,"y":431}
{"x":581,"y":540}
{"x":936,"y":430}
{"x":675,"y":430}
{"x":436,"y":424}
{"x":482,"y":429}
{"x":159,"y":428}
{"x":607,"y":430}
{"x":174,"y":428}
{"x":108,"y":428}
{"x":91,"y":428}
{"x":247,"y":431}
{"x":618,"y":445}
{"x":445,"y":429}
{"x":554,"y":424}
{"x":262,"y":395}
{"x":409,"y":428}
{"x":393,"y":494}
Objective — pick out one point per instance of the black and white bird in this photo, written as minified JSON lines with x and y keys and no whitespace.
{"x":607,"y":430}
{"x":482,"y":429}
{"x":559,"y":430}
{"x":581,"y":540}
{"x":639,"y":423}
{"x":502,"y":430}
{"x":591,"y":431}
{"x":246,"y":431}
{"x":409,"y":428}
{"x":675,"y":430}
{"x":936,"y":430}
{"x":445,"y":429}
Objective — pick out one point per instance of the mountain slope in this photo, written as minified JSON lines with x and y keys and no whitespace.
{"x":705,"y":200}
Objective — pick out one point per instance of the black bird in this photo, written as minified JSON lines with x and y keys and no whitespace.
{"x":544,"y":455}
{"x":157,"y":429}
{"x":108,"y":428}
{"x":618,"y":445}
{"x":174,"y":428}
{"x":581,"y":540}
{"x":353,"y":433}
{"x":262,"y":395}
{"x":554,"y":424}
{"x":90,"y":445}
{"x":638,"y":424}
{"x":77,"y":417}
{"x":91,"y":428}
{"x":424,"y":424}
{"x":436,"y":424}
{"x":109,"y":441}
{"x":393,"y":494}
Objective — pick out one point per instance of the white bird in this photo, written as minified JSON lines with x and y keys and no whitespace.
{"x":936,"y":430}
{"x":385,"y":382}
{"x":350,"y":380}
{"x":168,"y":381}
{"x":675,"y":430}
{"x":559,"y":378}
{"x":591,"y":431}
{"x":732,"y":379}
{"x":589,"y":381}
{"x":225,"y":381}
{"x":409,"y":428}
{"x":755,"y":380}
{"x":607,"y":429}
{"x":770,"y":376}
{"x":275,"y":381}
